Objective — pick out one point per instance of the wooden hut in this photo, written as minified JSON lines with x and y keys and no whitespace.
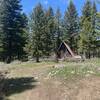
{"x":64,"y":52}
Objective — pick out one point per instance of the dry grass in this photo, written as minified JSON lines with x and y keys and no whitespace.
{"x":32,"y":81}
{"x":81,"y":69}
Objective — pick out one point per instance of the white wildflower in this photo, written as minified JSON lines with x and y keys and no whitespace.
{"x":73,"y":72}
{"x":91,"y":72}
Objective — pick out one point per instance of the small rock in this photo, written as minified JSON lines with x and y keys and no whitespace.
{"x":98,"y":68}
{"x":59,"y":66}
{"x":36,"y":78}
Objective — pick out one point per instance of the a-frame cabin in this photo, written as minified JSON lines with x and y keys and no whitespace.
{"x":64,"y":51}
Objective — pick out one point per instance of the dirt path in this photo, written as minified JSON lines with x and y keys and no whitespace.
{"x":54,"y":89}
{"x":83,"y":90}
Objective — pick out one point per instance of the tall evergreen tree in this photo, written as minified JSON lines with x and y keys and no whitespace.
{"x":49,"y":31}
{"x":97,"y":35}
{"x":12,"y":25}
{"x":86,"y":37}
{"x":86,"y":11}
{"x":58,"y":27}
{"x":71,"y":24}
{"x":94,"y":33}
{"x":98,"y":23}
{"x":94,"y":13}
{"x":38,"y":27}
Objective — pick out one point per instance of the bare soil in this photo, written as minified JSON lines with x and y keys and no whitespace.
{"x":22,"y":87}
{"x":86,"y":89}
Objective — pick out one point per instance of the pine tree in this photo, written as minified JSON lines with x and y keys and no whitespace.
{"x":49,"y":32}
{"x":37,"y":28}
{"x":86,"y":30}
{"x":58,"y":27}
{"x":86,"y":11}
{"x":85,"y":38}
{"x":97,"y":50}
{"x":98,"y":23}
{"x":12,"y":25}
{"x":94,"y":33}
{"x":29,"y":41}
{"x":71,"y":24}
{"x":94,"y":13}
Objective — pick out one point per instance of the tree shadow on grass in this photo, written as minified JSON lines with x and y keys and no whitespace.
{"x":18,"y":85}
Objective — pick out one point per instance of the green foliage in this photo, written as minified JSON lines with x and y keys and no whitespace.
{"x":49,"y":32}
{"x":58,"y":29}
{"x":37,"y":29}
{"x":98,"y":23}
{"x":87,"y":42}
{"x":85,"y":36}
{"x":43,"y":32}
{"x":71,"y":25}
{"x":86,"y":11}
{"x":12,"y":25}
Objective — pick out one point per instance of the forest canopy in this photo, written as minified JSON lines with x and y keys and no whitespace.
{"x":41,"y":34}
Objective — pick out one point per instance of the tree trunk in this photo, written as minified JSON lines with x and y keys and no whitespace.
{"x":84,"y":55}
{"x":37,"y":59}
{"x":89,"y":55}
{"x":56,"y":57}
{"x":8,"y":59}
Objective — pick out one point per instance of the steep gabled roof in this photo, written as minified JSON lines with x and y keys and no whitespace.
{"x":67,"y":47}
